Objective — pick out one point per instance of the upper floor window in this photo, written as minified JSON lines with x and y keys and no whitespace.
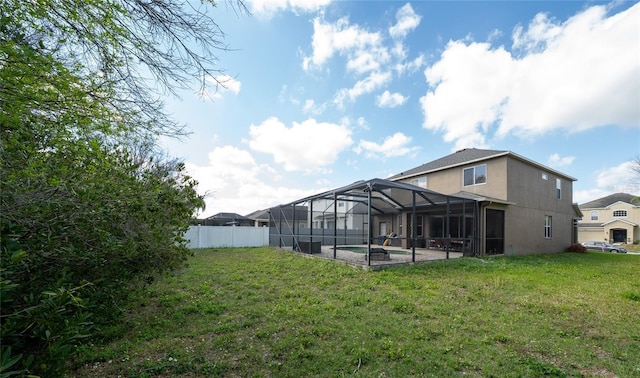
{"x":620,"y":213}
{"x":594,"y":215}
{"x":558,"y":189}
{"x":475,"y":175}
{"x":420,"y":181}
{"x":545,"y":176}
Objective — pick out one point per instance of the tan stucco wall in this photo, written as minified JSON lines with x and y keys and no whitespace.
{"x":450,"y":181}
{"x":530,"y":198}
{"x":533,"y":198}
{"x":606,"y":214}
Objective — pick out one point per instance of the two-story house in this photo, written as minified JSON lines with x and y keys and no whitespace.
{"x":612,"y":219}
{"x":523,"y":207}
{"x":475,"y":201}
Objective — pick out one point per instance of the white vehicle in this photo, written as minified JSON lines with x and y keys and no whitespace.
{"x":604,"y":247}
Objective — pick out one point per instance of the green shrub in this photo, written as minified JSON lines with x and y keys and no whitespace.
{"x":577,"y":247}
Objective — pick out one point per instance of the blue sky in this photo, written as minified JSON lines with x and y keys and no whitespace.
{"x":320,"y":94}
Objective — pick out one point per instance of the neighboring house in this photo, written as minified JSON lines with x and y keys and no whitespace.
{"x":227,"y":219}
{"x":260,"y":218}
{"x":613,"y":219}
{"x":348,"y":214}
{"x":523,"y":207}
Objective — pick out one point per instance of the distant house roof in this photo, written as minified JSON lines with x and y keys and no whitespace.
{"x":607,"y":201}
{"x":227,"y":216}
{"x":467,"y":156}
{"x":228,"y":219}
{"x":259,"y":215}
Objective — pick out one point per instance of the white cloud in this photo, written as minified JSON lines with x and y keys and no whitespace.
{"x":540,"y":32}
{"x":494,"y":35}
{"x":557,"y":162}
{"x":362,"y":123}
{"x":569,"y":76}
{"x":364,"y":86}
{"x":366,"y":61}
{"x":411,"y":66}
{"x":310,"y":107}
{"x":221,"y":84}
{"x":618,"y":179}
{"x":407,"y":21}
{"x":390,"y":100}
{"x":615,"y":178}
{"x":266,"y":9}
{"x":230,"y":181}
{"x":342,"y":38}
{"x":368,"y":55}
{"x":394,"y":145}
{"x":233,"y":182}
{"x":307,"y":146}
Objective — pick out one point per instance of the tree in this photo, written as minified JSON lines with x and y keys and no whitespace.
{"x":89,"y":205}
{"x":635,"y":177}
{"x":635,"y":172}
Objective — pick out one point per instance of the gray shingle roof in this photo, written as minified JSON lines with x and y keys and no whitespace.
{"x":466,"y":156}
{"x":608,"y":200}
{"x":460,"y":157}
{"x":258,"y":214}
{"x":226,"y":216}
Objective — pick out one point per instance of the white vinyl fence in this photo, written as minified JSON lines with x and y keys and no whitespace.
{"x":221,"y":237}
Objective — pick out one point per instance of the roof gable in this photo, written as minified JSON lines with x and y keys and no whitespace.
{"x":604,"y":202}
{"x":465,"y":156}
{"x":468,"y":156}
{"x":621,"y":221}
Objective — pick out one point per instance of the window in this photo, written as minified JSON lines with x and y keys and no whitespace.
{"x":419,"y":229}
{"x":620,"y":213}
{"x":420,"y":181}
{"x":545,"y":176}
{"x":594,"y":215}
{"x":547,"y":226}
{"x":475,"y":175}
{"x":558,"y":188}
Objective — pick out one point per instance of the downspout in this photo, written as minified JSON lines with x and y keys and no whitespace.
{"x":294,"y":239}
{"x":413,"y":232}
{"x":448,"y":229}
{"x":311,"y":227}
{"x":335,"y":224}
{"x":476,"y":228}
{"x":413,"y":227}
{"x":369,"y":227}
{"x":464,"y":225}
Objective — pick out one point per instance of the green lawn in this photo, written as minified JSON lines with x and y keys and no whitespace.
{"x":261,"y":312}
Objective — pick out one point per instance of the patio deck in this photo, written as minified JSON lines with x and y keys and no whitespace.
{"x":397,"y":256}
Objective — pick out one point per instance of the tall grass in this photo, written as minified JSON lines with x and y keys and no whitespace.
{"x":264,"y":312}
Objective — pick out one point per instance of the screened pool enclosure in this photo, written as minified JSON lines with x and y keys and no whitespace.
{"x":376,"y":218}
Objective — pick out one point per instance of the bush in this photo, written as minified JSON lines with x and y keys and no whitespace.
{"x":576,"y":248}
{"x":71,"y":251}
